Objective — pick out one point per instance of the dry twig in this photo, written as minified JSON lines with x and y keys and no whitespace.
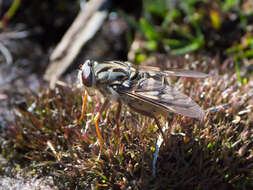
{"x":83,"y":28}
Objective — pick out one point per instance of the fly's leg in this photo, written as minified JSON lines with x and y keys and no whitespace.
{"x":159,"y":141}
{"x":102,"y":108}
{"x":96,"y":121}
{"x":83,"y":106}
{"x":160,"y":129}
{"x":118,"y":120}
{"x":98,"y":104}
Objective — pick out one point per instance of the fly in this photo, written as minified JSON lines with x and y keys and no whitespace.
{"x":144,"y":89}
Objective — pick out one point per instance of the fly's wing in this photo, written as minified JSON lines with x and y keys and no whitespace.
{"x":173,"y":72}
{"x":162,"y":96}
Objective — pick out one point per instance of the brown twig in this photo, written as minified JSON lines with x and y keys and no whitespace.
{"x":83,"y":28}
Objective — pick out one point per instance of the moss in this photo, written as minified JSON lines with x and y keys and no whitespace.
{"x":46,"y":140}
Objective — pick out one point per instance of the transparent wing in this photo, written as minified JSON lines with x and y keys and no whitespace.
{"x":160,"y":95}
{"x":173,"y":72}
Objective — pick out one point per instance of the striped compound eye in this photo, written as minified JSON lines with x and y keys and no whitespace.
{"x":86,"y":73}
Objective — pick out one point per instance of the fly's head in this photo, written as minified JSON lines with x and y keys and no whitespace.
{"x":86,"y":75}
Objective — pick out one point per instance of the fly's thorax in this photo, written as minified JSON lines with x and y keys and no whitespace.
{"x":113,"y":73}
{"x":113,"y":77}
